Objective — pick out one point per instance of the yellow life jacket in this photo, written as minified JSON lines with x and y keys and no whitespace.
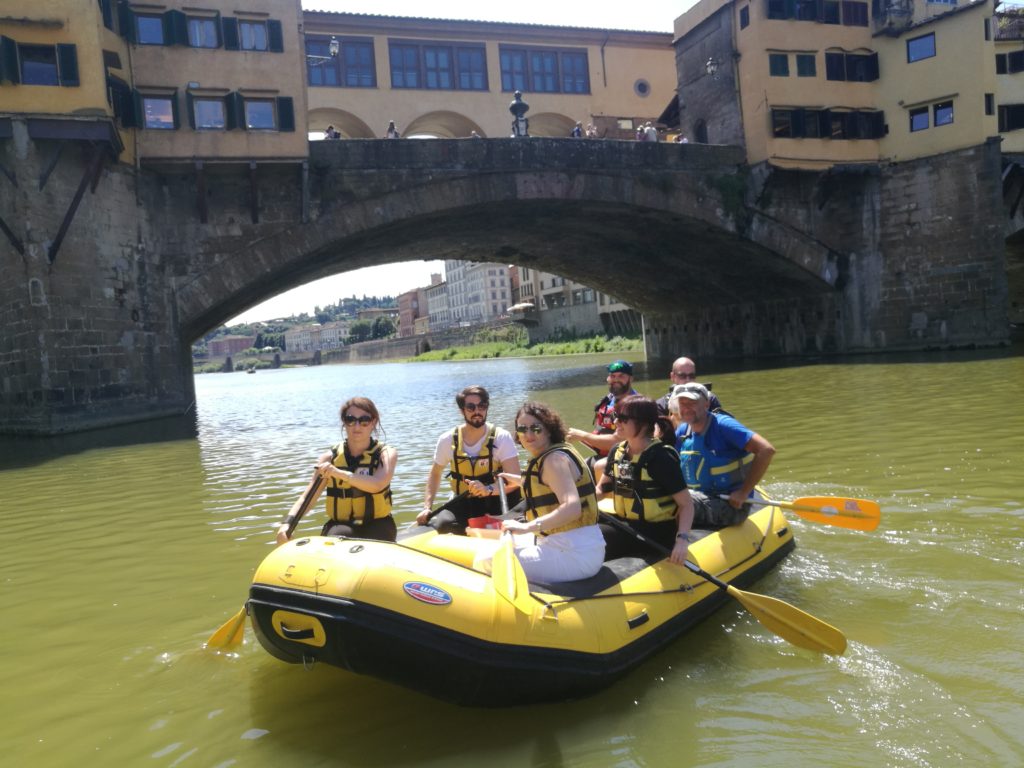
{"x":636,"y":495}
{"x":464,"y":467}
{"x":346,"y":503}
{"x":540,"y":499}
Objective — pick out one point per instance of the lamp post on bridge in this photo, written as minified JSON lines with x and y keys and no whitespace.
{"x":518,"y":108}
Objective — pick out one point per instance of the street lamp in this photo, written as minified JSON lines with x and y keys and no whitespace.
{"x":711,"y":66}
{"x":332,"y":47}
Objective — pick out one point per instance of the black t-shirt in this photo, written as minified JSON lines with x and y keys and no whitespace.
{"x":662,"y":463}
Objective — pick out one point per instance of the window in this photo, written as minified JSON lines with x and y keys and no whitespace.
{"x":360,"y":69}
{"x":1000,"y":63}
{"x":159,"y":112}
{"x":854,"y":67}
{"x":806,"y":10}
{"x":919,"y":48}
{"x":149,"y":30}
{"x":830,"y":13}
{"x":544,"y":70}
{"x":744,"y":17}
{"x":855,"y":14}
{"x":777,"y":9}
{"x":1014,"y":62}
{"x":202,"y":32}
{"x":782,"y":123}
{"x":259,"y":115}
{"x":208,"y":114}
{"x":827,"y":124}
{"x":778,"y":64}
{"x":1011,"y":117}
{"x":38,"y":64}
{"x":990,"y":103}
{"x":321,"y":68}
{"x":434,"y":66}
{"x":943,"y":113}
{"x":805,"y":65}
{"x":252,"y":35}
{"x":918,"y":119}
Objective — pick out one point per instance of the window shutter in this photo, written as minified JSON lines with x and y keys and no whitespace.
{"x":835,"y":66}
{"x":234,"y":111}
{"x":189,"y":104}
{"x":825,"y":124}
{"x":878,"y":125}
{"x":1015,"y":61}
{"x":174,"y":108}
{"x":107,"y":13}
{"x":798,"y":123}
{"x":229,"y":33}
{"x":275,"y":36}
{"x":67,"y":65}
{"x":285,"y":114}
{"x":126,"y":22}
{"x":175,"y":28}
{"x":9,"y":61}
{"x":1000,"y":64}
{"x":872,"y":67}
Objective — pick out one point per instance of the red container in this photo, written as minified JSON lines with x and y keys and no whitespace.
{"x":485,"y":521}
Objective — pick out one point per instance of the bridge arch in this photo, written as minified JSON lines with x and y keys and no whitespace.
{"x":442,"y":125}
{"x":550,"y":125}
{"x":347,"y":124}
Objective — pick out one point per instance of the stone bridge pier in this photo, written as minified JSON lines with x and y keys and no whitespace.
{"x":723,"y":259}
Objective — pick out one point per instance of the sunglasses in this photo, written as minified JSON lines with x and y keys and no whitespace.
{"x":623,"y":419}
{"x":522,"y":429}
{"x":474,"y":407}
{"x":362,"y":421}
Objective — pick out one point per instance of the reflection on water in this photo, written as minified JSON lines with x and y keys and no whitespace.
{"x":124,"y":554}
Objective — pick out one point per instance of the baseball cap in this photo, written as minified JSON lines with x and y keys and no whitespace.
{"x":691,"y":391}
{"x":620,"y":366}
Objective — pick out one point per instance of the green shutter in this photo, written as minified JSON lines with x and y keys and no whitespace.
{"x":229,"y":33}
{"x":9,"y":61}
{"x":285,"y":114}
{"x":275,"y":36}
{"x":174,"y":109}
{"x":189,"y":102}
{"x":126,"y":22}
{"x":67,"y":65}
{"x":175,"y":28}
{"x":234,"y":111}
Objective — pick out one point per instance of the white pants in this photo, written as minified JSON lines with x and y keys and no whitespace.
{"x":567,"y":556}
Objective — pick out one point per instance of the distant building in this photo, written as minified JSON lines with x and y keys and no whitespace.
{"x":334,"y":334}
{"x":412,"y":305}
{"x":222,"y":346}
{"x":477,"y":292}
{"x":305,"y":338}
{"x":438,"y":313}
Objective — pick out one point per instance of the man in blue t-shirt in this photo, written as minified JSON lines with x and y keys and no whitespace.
{"x":722,"y":460}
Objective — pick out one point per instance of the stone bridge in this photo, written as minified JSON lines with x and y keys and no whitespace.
{"x":723,"y":259}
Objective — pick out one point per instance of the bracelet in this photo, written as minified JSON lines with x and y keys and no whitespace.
{"x":685,"y":537}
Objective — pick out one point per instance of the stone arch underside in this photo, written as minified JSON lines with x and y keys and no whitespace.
{"x":347,"y":124}
{"x":442,"y":125}
{"x":550,"y":124}
{"x":655,"y":260}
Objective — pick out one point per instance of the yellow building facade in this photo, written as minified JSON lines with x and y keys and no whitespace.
{"x":454,"y":79}
{"x":815,"y":83}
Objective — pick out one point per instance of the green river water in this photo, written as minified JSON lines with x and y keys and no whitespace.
{"x":126,"y":548}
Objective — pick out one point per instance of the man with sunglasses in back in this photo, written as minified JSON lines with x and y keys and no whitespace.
{"x":620,"y":384}
{"x":474,"y":452}
{"x":684,"y":370}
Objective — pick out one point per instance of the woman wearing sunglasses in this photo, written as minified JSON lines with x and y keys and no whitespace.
{"x":561,"y":507}
{"x":358,"y":472}
{"x":644,"y":477}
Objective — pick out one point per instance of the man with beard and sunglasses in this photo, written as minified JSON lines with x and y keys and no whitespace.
{"x":474,"y":452}
{"x":620,"y":384}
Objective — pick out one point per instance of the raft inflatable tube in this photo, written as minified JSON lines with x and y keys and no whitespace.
{"x":417,"y":614}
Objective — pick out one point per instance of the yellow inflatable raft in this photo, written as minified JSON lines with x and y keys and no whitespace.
{"x":417,"y":614}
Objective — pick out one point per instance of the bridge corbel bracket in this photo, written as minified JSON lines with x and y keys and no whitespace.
{"x":254,"y":194}
{"x":89,"y":177}
{"x":18,"y":245}
{"x":305,"y":191}
{"x":201,"y":192}
{"x":52,"y":165}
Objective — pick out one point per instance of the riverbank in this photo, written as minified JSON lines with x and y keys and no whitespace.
{"x":496,"y":349}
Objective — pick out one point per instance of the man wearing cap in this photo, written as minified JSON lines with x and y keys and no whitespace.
{"x":722,"y":460}
{"x":684,"y":370}
{"x":620,"y":384}
{"x":474,"y":453}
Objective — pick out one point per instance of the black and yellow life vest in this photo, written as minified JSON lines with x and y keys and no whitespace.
{"x":346,"y":503}
{"x":636,"y":495}
{"x":540,"y":499}
{"x":464,"y":467}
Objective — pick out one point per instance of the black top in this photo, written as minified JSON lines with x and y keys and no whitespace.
{"x":662,"y":463}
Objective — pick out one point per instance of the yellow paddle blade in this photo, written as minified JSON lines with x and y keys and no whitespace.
{"x":509,"y":577}
{"x":856,"y":514}
{"x":229,"y":634}
{"x":792,"y":624}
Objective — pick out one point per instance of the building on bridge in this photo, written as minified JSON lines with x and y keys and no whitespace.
{"x":447,"y":78}
{"x":815,"y":84}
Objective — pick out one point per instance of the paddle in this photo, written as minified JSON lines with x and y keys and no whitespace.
{"x":506,"y":571}
{"x":786,"y":621}
{"x":230,"y":633}
{"x":855,"y":514}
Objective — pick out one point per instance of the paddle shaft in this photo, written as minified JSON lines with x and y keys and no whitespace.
{"x":303,"y":504}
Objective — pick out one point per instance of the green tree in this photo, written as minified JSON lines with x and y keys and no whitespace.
{"x":360,"y":330}
{"x":383,"y":328}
